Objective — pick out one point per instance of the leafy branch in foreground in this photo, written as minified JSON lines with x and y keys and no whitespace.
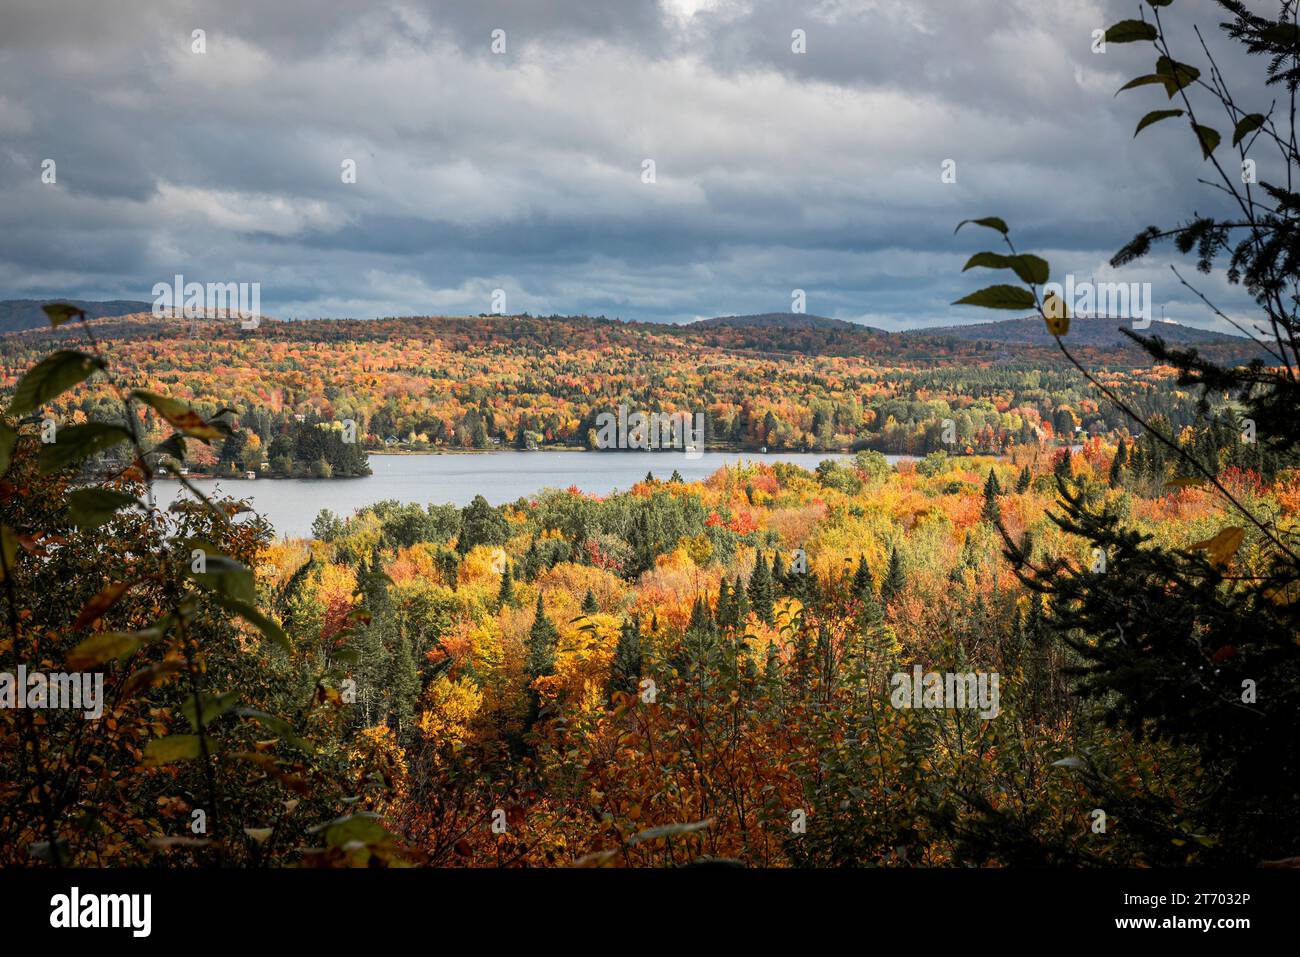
{"x":1196,"y":646}
{"x":99,"y":582}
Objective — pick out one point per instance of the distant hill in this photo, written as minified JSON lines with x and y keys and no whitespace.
{"x":19,"y":314}
{"x":773,"y":320}
{"x":1103,"y":333}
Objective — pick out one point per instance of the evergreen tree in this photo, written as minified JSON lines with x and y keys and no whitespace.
{"x":1063,"y":467}
{"x":761,"y":596}
{"x":625,"y":671}
{"x":740,"y":603}
{"x":726,"y":610}
{"x":676,"y":477}
{"x":589,"y":606}
{"x":991,"y":492}
{"x":541,"y":644}
{"x":1024,"y":481}
{"x":506,"y":593}
{"x":532,"y":561}
{"x":1116,"y":476}
{"x":895,"y":578}
{"x":862,"y":580}
{"x":403,"y":683}
{"x":772,"y":667}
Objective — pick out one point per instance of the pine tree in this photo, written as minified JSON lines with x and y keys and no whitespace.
{"x":676,"y":477}
{"x":772,"y":667}
{"x":726,"y":610}
{"x":895,"y":578}
{"x":862,"y":580}
{"x":403,"y":683}
{"x":701,"y":616}
{"x":761,"y":591}
{"x":1116,"y":477}
{"x":1064,"y":465}
{"x":589,"y":605}
{"x":506,"y":593}
{"x":740,"y":603}
{"x":778,"y":569}
{"x":532,"y":561}
{"x":625,"y":670}
{"x":1026,"y":479}
{"x":968,"y":559}
{"x":542,"y":639}
{"x":991,"y":492}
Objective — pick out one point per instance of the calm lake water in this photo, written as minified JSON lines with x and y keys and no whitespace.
{"x":291,"y":504}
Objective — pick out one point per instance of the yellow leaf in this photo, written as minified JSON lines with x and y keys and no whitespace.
{"x":1056,"y":314}
{"x":1222,"y":546}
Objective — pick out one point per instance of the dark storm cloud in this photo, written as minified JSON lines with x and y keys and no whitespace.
{"x":775,"y":171}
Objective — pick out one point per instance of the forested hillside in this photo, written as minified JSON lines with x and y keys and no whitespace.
{"x":524,"y":382}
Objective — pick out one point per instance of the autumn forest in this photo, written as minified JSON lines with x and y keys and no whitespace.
{"x":1035,"y":606}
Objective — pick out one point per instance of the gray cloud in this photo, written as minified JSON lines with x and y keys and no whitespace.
{"x":523,"y":171}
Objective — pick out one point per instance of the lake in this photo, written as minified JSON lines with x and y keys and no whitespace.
{"x":291,"y":504}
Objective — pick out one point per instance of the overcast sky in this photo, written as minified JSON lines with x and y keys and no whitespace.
{"x":523,"y":170}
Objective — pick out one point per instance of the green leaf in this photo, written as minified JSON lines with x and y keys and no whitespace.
{"x":999,"y":297}
{"x":174,"y":747}
{"x":52,"y":376}
{"x":181,"y":417}
{"x":92,"y":507}
{"x":1130,"y":31}
{"x":1140,"y":81}
{"x":107,"y":645}
{"x":1155,"y":116}
{"x":1247,"y":125}
{"x":221,"y":575}
{"x":214,"y":706}
{"x":991,"y":222}
{"x":1030,"y":268}
{"x":8,"y":439}
{"x":1209,"y":139}
{"x":77,"y":442}
{"x":1175,"y":75}
{"x":254,"y":616}
{"x":61,"y":312}
{"x":363,"y":827}
{"x":279,"y":727}
{"x":174,"y":446}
